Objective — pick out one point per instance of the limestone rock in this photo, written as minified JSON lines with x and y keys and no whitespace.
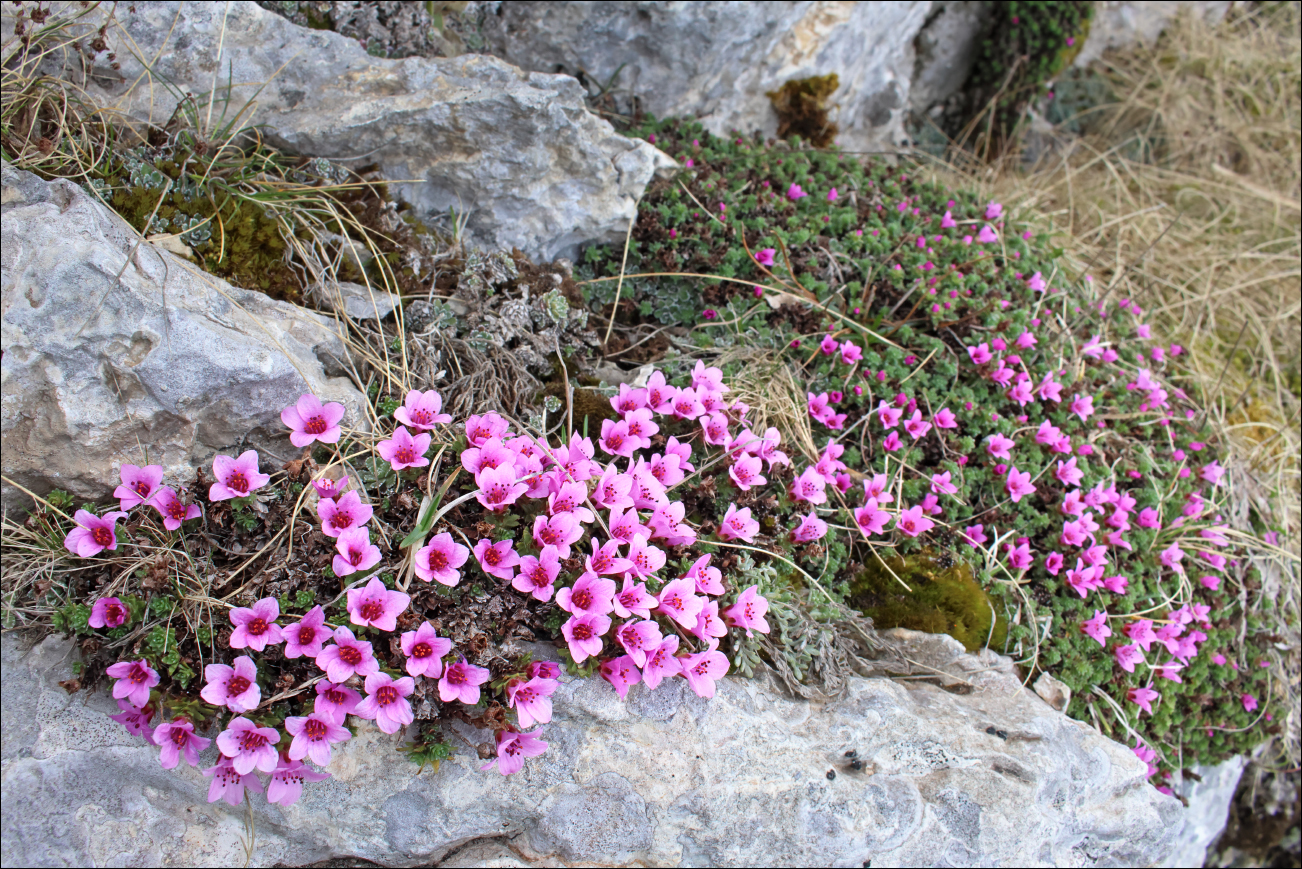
{"x":1052,"y":691}
{"x":1118,"y":23}
{"x":663,"y":779}
{"x":716,"y":60}
{"x":1208,"y":811}
{"x":169,"y":359}
{"x":516,"y":152}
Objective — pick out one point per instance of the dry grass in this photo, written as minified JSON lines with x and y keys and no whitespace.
{"x":1183,"y":195}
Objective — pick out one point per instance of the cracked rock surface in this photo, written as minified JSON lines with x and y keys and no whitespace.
{"x":663,"y":779}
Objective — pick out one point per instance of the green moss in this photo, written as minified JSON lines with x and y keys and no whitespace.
{"x":946,"y":599}
{"x":801,"y":106}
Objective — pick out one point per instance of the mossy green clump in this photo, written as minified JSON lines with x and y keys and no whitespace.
{"x":945,"y":599}
{"x":801,"y":107}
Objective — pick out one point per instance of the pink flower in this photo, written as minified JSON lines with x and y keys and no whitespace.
{"x":376,"y":605}
{"x":703,"y":669}
{"x":313,"y":734}
{"x":1212,"y":473}
{"x":420,"y":410}
{"x":173,"y":510}
{"x":794,"y":192}
{"x":945,"y":418}
{"x":765,"y":256}
{"x":491,"y":454}
{"x":176,"y":738}
{"x":1171,"y":556}
{"x":229,"y":785}
{"x":993,"y":210}
{"x":139,"y":485}
{"x":987,"y":235}
{"x":347,"y":657}
{"x":810,"y":487}
{"x":356,"y":553}
{"x":1068,"y":474}
{"x":916,"y":426}
{"x":93,"y":535}
{"x":1036,"y":283}
{"x":513,"y":748}
{"x":1018,"y":484}
{"x":236,"y":477}
{"x":666,"y":523}
{"x":975,"y":535}
{"x":621,"y":673}
{"x":532,"y":700}
{"x":1021,"y":393}
{"x":1082,"y":406}
{"x":639,"y":638}
{"x":386,"y":701}
{"x":249,"y":746}
{"x":948,"y":222}
{"x":811,"y":528}
{"x":136,"y":721}
{"x":309,"y":420}
{"x":1019,"y":557}
{"x":286,"y":784}
{"x":831,"y":195}
{"x":1128,"y":656}
{"x":1116,"y":584}
{"x":461,"y":681}
{"x":1097,"y":628}
{"x":941,"y":485}
{"x":403,"y":450}
{"x":343,"y":514}
{"x":749,"y":611}
{"x":328,"y":488}
{"x":1141,"y":633}
{"x":583,"y":633}
{"x":440,"y":558}
{"x":1143,"y":698}
{"x":615,"y":438}
{"x":538,"y":573}
{"x":646,"y":560}
{"x":1249,"y":703}
{"x":306,"y":636}
{"x":337,"y":701}
{"x":255,"y":626}
{"x":425,"y":650}
{"x":234,"y":687}
{"x":108,"y":612}
{"x":589,"y":594}
{"x":737,"y":524}
{"x":633,"y":600}
{"x":612,"y":490}
{"x":828,"y":345}
{"x":678,"y":600}
{"x":871,"y":519}
{"x":662,"y":664}
{"x":745,"y":472}
{"x":851,"y":353}
{"x":709,"y":625}
{"x":481,"y":428}
{"x":500,"y":559}
{"x":998,"y":446}
{"x":912,"y":522}
{"x":1147,"y":755}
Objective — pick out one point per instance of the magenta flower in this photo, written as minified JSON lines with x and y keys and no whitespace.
{"x":234,"y":687}
{"x":173,"y":509}
{"x":136,"y":721}
{"x":177,"y":738}
{"x":703,"y":669}
{"x":403,"y":450}
{"x":1249,"y":703}
{"x":987,"y":235}
{"x":1097,"y":627}
{"x":639,"y":638}
{"x":916,"y":426}
{"x":589,"y":594}
{"x":376,"y":605}
{"x":440,"y":558}
{"x":499,"y":488}
{"x":532,"y":700}
{"x":425,"y":650}
{"x":794,"y":192}
{"x":249,"y":746}
{"x":605,"y":559}
{"x":229,"y":785}
{"x":633,"y":600}
{"x":941,"y":485}
{"x":662,"y":663}
{"x":500,"y":559}
{"x":871,"y":519}
{"x":564,"y":529}
{"x":255,"y":626}
{"x":461,"y":681}
{"x":420,"y":410}
{"x":645,"y":559}
{"x":328,"y":488}
{"x":139,"y":485}
{"x":709,"y":625}
{"x":811,"y":528}
{"x":337,"y":701}
{"x":108,"y":612}
{"x":749,"y":611}
{"x":570,"y":498}
{"x":343,"y":514}
{"x":851,"y":353}
{"x":993,"y":210}
{"x":386,"y":701}
{"x":1018,"y":484}
{"x":492,"y":454}
{"x":309,"y":420}
{"x":1212,"y":473}
{"x":622,"y":673}
{"x":765,"y":256}
{"x":912,"y":522}
{"x":1143,"y":698}
{"x":583,"y":632}
{"x":356,"y":553}
{"x":745,"y":472}
{"x":1171,"y":557}
{"x":347,"y":657}
{"x":134,"y":679}
{"x":538,"y":573}
{"x":236,"y":477}
{"x":93,"y":535}
{"x":1128,"y":656}
{"x":304,"y":638}
{"x":513,"y":748}
{"x":286,"y":784}
{"x":810,"y":487}
{"x":738,"y":524}
{"x":481,"y":428}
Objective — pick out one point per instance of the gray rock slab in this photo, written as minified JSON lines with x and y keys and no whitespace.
{"x":664,"y":779}
{"x":166,"y":365}
{"x":1208,"y":810}
{"x":516,"y":153}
